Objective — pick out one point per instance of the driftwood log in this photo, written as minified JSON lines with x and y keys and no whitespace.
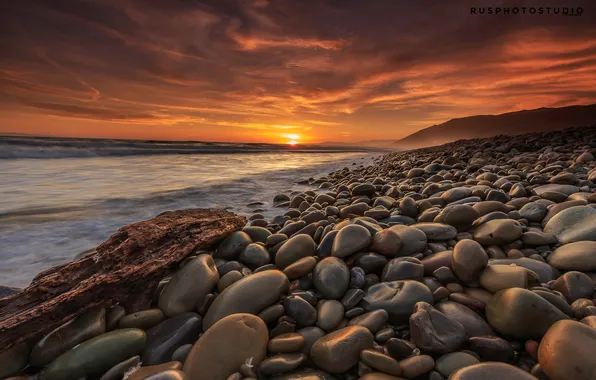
{"x":125,"y":269}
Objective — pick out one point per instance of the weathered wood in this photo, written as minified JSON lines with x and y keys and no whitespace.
{"x":125,"y":269}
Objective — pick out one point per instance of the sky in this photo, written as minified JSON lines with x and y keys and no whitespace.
{"x":277,"y":71}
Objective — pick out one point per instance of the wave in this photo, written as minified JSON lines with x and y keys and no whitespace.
{"x":12,"y":147}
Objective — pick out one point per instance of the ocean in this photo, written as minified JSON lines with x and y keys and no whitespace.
{"x":59,"y":197}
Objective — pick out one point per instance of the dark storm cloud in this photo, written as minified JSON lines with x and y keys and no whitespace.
{"x":337,"y":65}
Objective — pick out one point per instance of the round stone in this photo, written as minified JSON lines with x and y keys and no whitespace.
{"x":155,"y":371}
{"x":189,"y":286}
{"x":350,"y":239}
{"x":576,"y":223}
{"x":403,"y":268}
{"x":500,"y":231}
{"x":289,"y":342}
{"x":14,"y":359}
{"x":579,"y":256}
{"x":434,"y":332}
{"x":416,"y":366}
{"x":412,"y":239}
{"x":373,"y":320}
{"x":459,"y":216}
{"x":257,"y":234}
{"x":166,"y":337}
{"x":230,"y":247}
{"x":300,"y":268}
{"x":294,"y":249}
{"x":228,"y":344}
{"x":498,"y":277}
{"x":300,"y":311}
{"x":386,"y":242}
{"x":380,"y":362}
{"x":521,"y":314}
{"x":97,"y":355}
{"x":473,"y":323}
{"x":254,"y":255}
{"x":491,"y":371}
{"x":251,"y":294}
{"x":143,"y":319}
{"x":70,"y":334}
{"x":437,"y":231}
{"x":567,"y":351}
{"x":397,"y":298}
{"x":330,"y":314}
{"x":339,"y":350}
{"x":468,"y":260}
{"x":491,"y":348}
{"x":449,"y":363}
{"x":331,"y":277}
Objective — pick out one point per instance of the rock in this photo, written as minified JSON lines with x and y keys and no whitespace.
{"x":181,"y":353}
{"x":397,"y":298}
{"x":14,"y":360}
{"x":449,"y":363}
{"x":338,"y":351}
{"x":567,"y":351}
{"x":533,"y":212}
{"x":350,"y":239}
{"x":330,"y":314}
{"x":574,"y":285}
{"x":143,"y":319}
{"x":284,"y":343}
{"x":300,"y":268}
{"x":491,"y":348}
{"x":228,"y":279}
{"x":254,"y":255}
{"x":373,"y":320}
{"x":436,"y":231}
{"x":294,"y":249}
{"x":166,"y":337}
{"x":498,"y":277}
{"x":229,"y":343}
{"x":579,"y":256}
{"x":473,"y":323}
{"x":97,"y":355}
{"x":491,"y":371}
{"x":403,"y":268}
{"x":190,"y":285}
{"x":434,"y":332}
{"x":305,"y":374}
{"x":380,"y":362}
{"x":300,"y":311}
{"x":70,"y":334}
{"x":331,"y":277}
{"x":468,"y":260}
{"x":252,"y":294}
{"x":118,"y":371}
{"x":435,"y":261}
{"x":416,"y":366}
{"x":520,"y":314}
{"x":282,"y":363}
{"x":230,"y":247}
{"x":545,"y":271}
{"x":154,"y":370}
{"x":386,"y":242}
{"x":257,"y":234}
{"x":563,"y":189}
{"x":459,"y":216}
{"x":456,"y":194}
{"x":412,"y":239}
{"x":311,"y":335}
{"x":500,"y":231}
{"x":574,"y":224}
{"x":171,"y":374}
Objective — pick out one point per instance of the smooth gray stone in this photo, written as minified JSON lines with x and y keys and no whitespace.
{"x":521,"y":314}
{"x":350,"y":239}
{"x":306,"y":374}
{"x":449,"y":363}
{"x":189,"y":286}
{"x":331,"y":277}
{"x":412,"y":239}
{"x":181,"y":353}
{"x":437,"y":231}
{"x":574,"y":224}
{"x":164,"y":339}
{"x":397,"y":298}
{"x":339,"y":350}
{"x":545,"y":271}
{"x":294,"y":249}
{"x":282,"y":363}
{"x":311,"y":335}
{"x":432,"y":331}
{"x":251,"y":295}
{"x":403,"y":268}
{"x":330,"y":314}
{"x":491,"y":371}
{"x":579,"y":256}
{"x":70,"y":334}
{"x":170,"y":374}
{"x":473,"y":323}
{"x":497,"y":232}
{"x":97,"y":355}
{"x":257,"y":234}
{"x":373,"y":320}
{"x":254,"y":256}
{"x":300,"y":311}
{"x":230,"y":247}
{"x":492,"y":348}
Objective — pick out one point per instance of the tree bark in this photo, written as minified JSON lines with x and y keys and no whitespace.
{"x":125,"y":269}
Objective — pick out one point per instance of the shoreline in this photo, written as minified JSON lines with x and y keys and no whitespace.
{"x":467,"y":260}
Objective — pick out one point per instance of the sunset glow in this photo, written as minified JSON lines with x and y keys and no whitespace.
{"x":251,"y":71}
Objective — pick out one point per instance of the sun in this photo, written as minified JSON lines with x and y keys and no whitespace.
{"x":292,"y":137}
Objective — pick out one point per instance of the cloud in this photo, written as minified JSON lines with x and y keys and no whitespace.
{"x":349,"y":69}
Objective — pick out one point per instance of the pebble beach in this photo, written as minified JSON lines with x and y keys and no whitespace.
{"x":473,"y":260}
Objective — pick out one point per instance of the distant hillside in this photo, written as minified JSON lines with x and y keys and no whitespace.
{"x":512,"y":123}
